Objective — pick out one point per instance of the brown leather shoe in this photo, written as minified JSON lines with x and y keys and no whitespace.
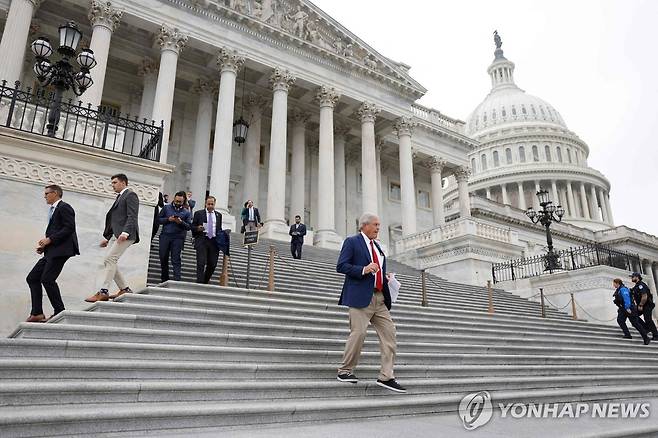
{"x":36,"y":318}
{"x":121,"y":292}
{"x":98,"y":296}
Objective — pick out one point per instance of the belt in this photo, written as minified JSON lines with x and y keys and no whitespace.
{"x":377,"y":290}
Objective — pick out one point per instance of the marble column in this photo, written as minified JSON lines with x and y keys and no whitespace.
{"x":573,"y":211}
{"x":229,"y":63}
{"x":148,"y":71}
{"x":340,"y":137}
{"x":325,"y":236}
{"x":606,"y":199}
{"x":535,"y":198}
{"x":368,"y":113}
{"x":205,"y":89}
{"x":171,"y":42}
{"x":131,"y":144}
{"x":298,"y":165}
{"x":583,"y":201}
{"x":436,"y":165}
{"x":104,"y":18}
{"x":593,"y":203}
{"x":404,"y":127}
{"x":487,"y":193}
{"x":648,"y":274}
{"x":556,"y":194}
{"x":275,"y":224}
{"x":14,"y":39}
{"x":522,"y":204}
{"x":462,"y":174}
{"x":251,"y":186}
{"x":503,"y":191}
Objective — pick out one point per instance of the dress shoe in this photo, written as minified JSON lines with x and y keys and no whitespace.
{"x":98,"y":296}
{"x":36,"y":318}
{"x":126,"y":290}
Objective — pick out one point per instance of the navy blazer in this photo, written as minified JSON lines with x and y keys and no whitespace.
{"x":61,"y":232}
{"x":358,"y":288}
{"x":302,"y":232}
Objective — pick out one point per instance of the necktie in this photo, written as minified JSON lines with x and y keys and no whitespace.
{"x":50,"y":212}
{"x":379,"y":282}
{"x":211,"y":225}
{"x":116,"y":201}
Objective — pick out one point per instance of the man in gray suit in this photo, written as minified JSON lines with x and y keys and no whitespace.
{"x":120,"y":222}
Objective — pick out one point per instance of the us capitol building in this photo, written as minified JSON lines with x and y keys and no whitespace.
{"x":333,"y":130}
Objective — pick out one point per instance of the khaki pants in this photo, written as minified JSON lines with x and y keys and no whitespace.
{"x":378,"y":315}
{"x":110,"y":268}
{"x":251,"y":226}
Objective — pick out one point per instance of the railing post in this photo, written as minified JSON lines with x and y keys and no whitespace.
{"x":511,"y":267}
{"x":598,"y":258}
{"x":493,"y":273}
{"x":490,"y":292}
{"x":161,"y":134}
{"x":223,"y":279}
{"x":543,"y":309}
{"x":573,"y":259}
{"x":573,"y":308}
{"x":12,"y":105}
{"x":270,"y":280}
{"x":423,"y":286}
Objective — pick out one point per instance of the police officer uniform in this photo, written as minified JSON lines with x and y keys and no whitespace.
{"x":646,"y":310}
{"x":627,"y":310}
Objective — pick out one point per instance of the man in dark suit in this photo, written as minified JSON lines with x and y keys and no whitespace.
{"x":59,"y":244}
{"x":297,"y":231}
{"x":250,"y":217}
{"x":366,"y":293}
{"x":121,"y":221}
{"x":176,"y":220}
{"x":206,"y":226}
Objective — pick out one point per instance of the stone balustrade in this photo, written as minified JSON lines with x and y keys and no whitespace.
{"x":434,"y":116}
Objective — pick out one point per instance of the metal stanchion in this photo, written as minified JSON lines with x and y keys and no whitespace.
{"x":270,"y":280}
{"x":223,"y":279}
{"x":423,"y":289}
{"x":573,"y":308}
{"x":543,"y":309}
{"x":248,"y":265}
{"x":490,"y":293}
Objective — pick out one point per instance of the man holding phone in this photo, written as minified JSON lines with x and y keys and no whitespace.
{"x":175,"y":221}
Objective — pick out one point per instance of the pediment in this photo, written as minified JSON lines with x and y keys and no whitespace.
{"x":305,"y":24}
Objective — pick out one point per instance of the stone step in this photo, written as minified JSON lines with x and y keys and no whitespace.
{"x":186,"y":338}
{"x":107,"y":348}
{"x":336,"y":331}
{"x":78,"y":369}
{"x":20,"y":421}
{"x":51,"y":394}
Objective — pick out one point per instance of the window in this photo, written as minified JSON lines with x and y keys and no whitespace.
{"x":394,"y":193}
{"x":508,"y":156}
{"x":504,"y":113}
{"x":513,"y":110}
{"x":523,"y":110}
{"x":547,"y":150}
{"x":423,"y":199}
{"x":569,"y":156}
{"x":535,"y":153}
{"x":493,"y":114}
{"x":473,"y":165}
{"x":559,"y":154}
{"x":521,"y":154}
{"x":483,"y":159}
{"x":577,"y":156}
{"x":496,"y":159}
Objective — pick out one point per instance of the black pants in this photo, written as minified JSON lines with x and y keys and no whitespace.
{"x":296,"y":249}
{"x":648,"y":319}
{"x":170,"y":245}
{"x":45,"y":272}
{"x":207,"y":253}
{"x":622,"y":315}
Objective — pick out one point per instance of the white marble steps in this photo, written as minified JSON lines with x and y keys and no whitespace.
{"x":447,"y":334}
{"x":153,"y":417}
{"x":51,"y":394}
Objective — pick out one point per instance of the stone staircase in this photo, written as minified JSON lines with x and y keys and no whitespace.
{"x":186,"y":358}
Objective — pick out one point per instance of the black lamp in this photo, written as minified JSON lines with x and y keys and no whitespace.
{"x":241,"y":126}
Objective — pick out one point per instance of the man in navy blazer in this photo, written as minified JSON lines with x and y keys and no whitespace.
{"x":59,"y":244}
{"x":366,"y":293}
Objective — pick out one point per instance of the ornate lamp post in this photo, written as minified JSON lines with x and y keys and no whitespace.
{"x":61,"y":74}
{"x":546,"y":216}
{"x":241,"y":126}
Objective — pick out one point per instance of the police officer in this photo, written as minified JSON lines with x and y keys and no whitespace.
{"x":644,"y":302}
{"x":626,"y":309}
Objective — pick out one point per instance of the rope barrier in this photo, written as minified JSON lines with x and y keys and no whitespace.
{"x":230,"y":267}
{"x":554,"y":306}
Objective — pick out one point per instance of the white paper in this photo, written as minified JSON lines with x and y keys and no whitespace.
{"x":393,"y":287}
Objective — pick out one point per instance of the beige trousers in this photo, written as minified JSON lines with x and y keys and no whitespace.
{"x":110,"y":268}
{"x":378,"y":315}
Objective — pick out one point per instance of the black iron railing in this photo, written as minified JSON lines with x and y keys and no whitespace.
{"x":102,"y":128}
{"x":568,"y":260}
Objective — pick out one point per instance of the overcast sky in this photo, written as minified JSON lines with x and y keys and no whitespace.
{"x":595,"y":61}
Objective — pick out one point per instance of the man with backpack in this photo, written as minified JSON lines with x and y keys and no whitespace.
{"x":627,"y":310}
